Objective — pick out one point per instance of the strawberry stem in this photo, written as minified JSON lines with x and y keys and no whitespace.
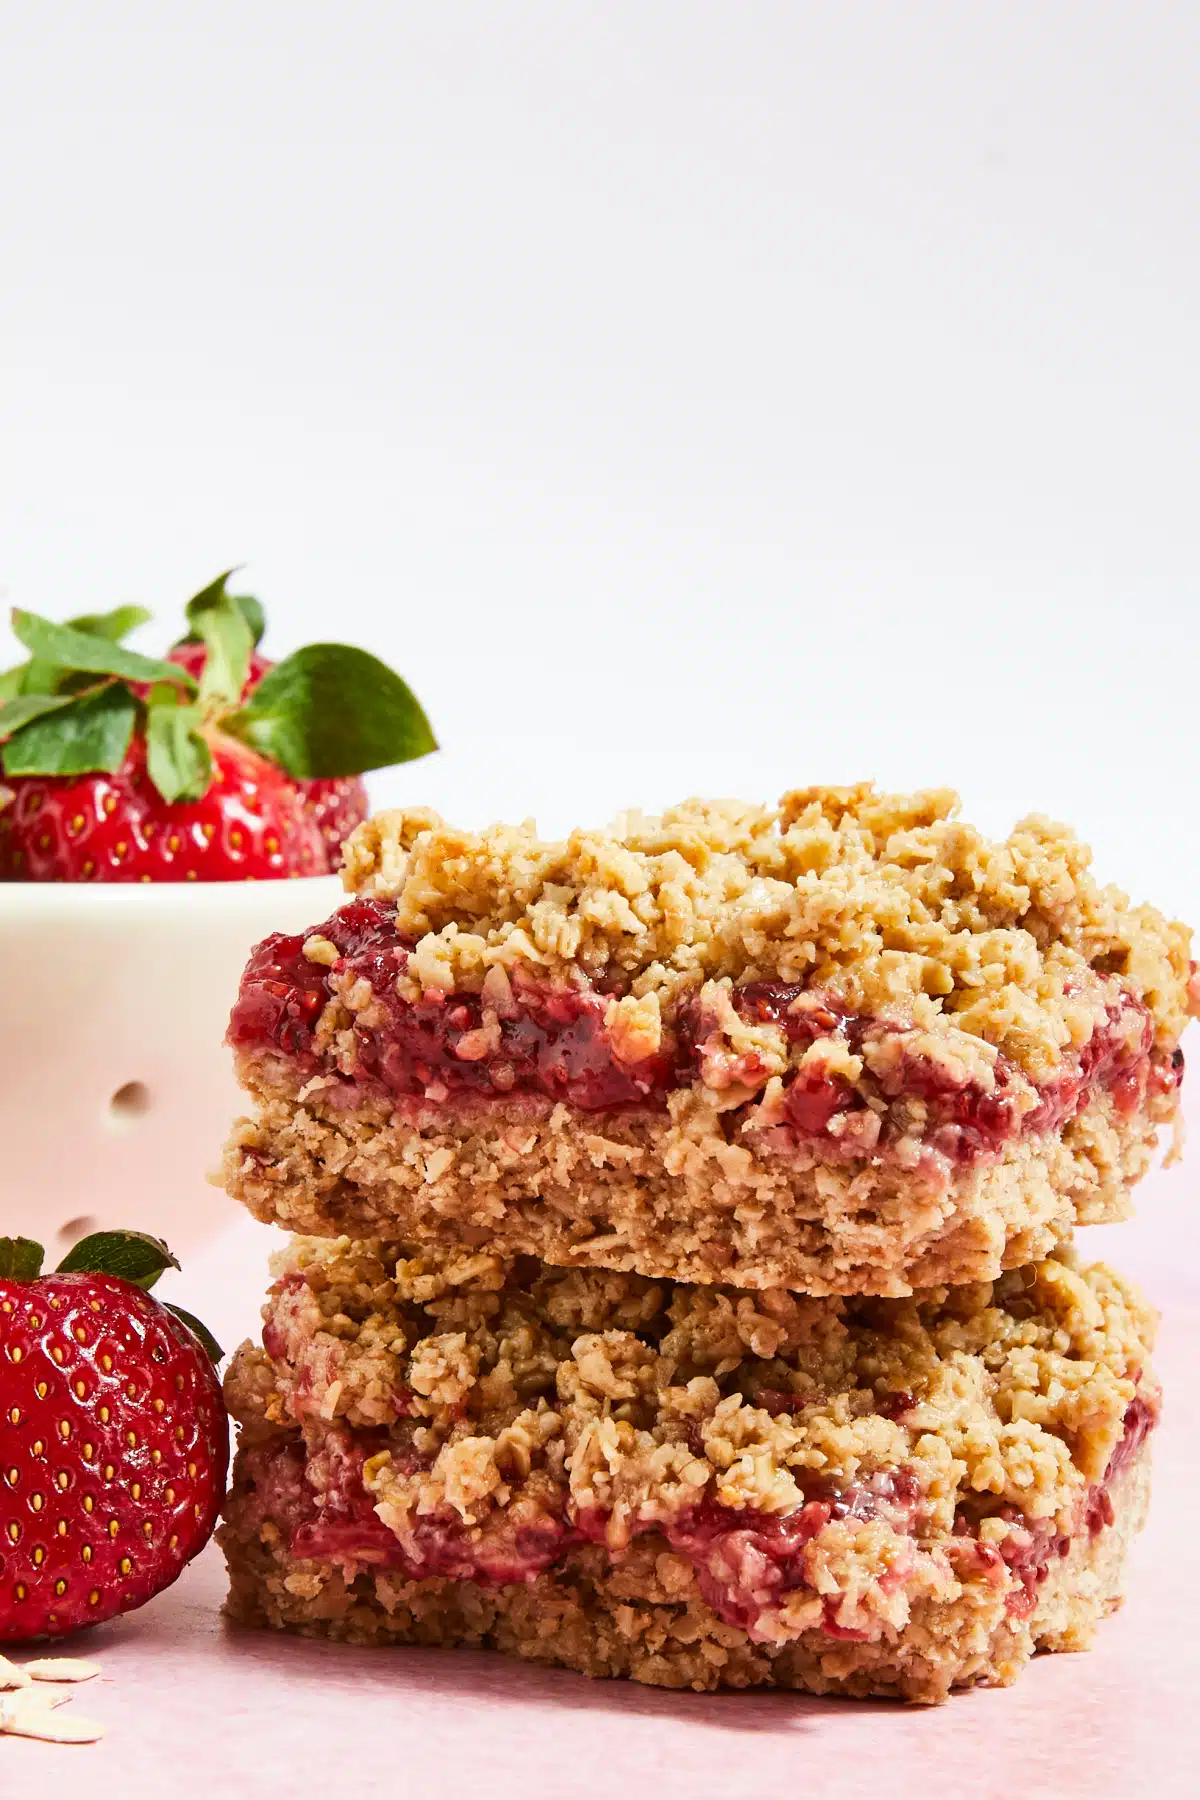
{"x":223,"y":628}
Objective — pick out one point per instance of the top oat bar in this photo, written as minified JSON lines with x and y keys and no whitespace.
{"x":845,"y":1046}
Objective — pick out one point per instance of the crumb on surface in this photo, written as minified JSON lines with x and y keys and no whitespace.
{"x":62,"y":1668}
{"x":32,"y":1694}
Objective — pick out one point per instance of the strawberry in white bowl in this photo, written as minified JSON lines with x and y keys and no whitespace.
{"x":214,"y":765}
{"x":144,"y":803}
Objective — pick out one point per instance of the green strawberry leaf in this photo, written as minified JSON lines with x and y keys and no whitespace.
{"x":20,"y":1259}
{"x":92,"y":731}
{"x":218,"y":621}
{"x":207,"y":1340}
{"x":132,"y":1255}
{"x":26,"y":707}
{"x":113,"y":625}
{"x":178,"y":759}
{"x":40,"y":676}
{"x":253,"y":614}
{"x":330,"y":710}
{"x":72,"y":649}
{"x":250,"y":608}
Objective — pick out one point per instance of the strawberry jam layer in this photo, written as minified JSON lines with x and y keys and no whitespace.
{"x":1141,"y":1416}
{"x":552,"y":1044}
{"x":323,"y":1507}
{"x":746,"y":1563}
{"x":963,"y":1120}
{"x":1032,"y":1546}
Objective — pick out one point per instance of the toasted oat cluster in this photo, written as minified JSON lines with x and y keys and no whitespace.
{"x":845,"y":1046}
{"x":696,"y":1486}
{"x":879,"y":898}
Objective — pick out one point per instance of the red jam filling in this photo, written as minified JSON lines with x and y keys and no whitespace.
{"x":1141,"y":1416}
{"x":440,"y":1548}
{"x":746,"y":1563}
{"x":555,"y":1046}
{"x":964,"y":1120}
{"x":336,"y":1522}
{"x":1032,"y":1546}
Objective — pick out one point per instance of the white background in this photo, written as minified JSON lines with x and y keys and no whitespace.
{"x":685,"y":396}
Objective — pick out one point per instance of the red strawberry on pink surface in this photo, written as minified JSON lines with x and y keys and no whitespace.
{"x":215,"y":765}
{"x":113,"y":1435}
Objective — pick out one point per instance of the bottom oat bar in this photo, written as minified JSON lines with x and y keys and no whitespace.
{"x":693,"y":1486}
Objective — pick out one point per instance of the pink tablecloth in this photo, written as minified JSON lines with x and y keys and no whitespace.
{"x":199,"y":1711}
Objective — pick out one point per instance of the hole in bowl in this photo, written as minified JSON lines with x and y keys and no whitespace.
{"x":130,"y":1101}
{"x":74,"y":1229}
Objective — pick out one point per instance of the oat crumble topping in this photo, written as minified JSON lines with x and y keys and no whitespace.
{"x":637,"y":1396}
{"x":889,"y":901}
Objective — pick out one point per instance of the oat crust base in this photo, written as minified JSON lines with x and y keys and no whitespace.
{"x":672,"y":1196}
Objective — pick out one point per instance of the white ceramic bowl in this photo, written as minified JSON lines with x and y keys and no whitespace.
{"x":116,"y":1089}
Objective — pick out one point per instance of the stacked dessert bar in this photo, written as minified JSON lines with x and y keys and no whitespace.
{"x":686,"y":1286}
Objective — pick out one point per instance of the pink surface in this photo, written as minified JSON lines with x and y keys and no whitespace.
{"x":196,"y":1708}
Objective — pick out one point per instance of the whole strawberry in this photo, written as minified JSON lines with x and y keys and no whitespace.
{"x":113,"y":1435}
{"x":215,"y":765}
